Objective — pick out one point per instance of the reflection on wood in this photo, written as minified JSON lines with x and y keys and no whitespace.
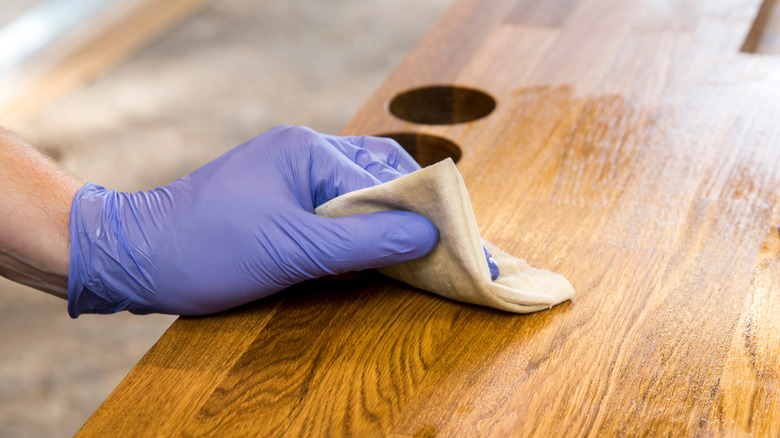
{"x":632,"y":149}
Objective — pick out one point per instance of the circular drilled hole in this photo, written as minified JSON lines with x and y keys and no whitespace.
{"x":442,"y":105}
{"x":426,"y":149}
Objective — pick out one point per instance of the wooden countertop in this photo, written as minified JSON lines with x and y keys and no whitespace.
{"x":635,"y":150}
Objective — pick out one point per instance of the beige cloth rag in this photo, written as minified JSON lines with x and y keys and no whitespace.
{"x":456,"y":268}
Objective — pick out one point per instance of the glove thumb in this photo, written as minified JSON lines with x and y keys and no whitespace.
{"x":376,"y":240}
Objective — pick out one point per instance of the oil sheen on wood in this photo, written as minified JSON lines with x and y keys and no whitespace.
{"x":634,"y":149}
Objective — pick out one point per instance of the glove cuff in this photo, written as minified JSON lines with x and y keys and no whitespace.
{"x":97,"y":280}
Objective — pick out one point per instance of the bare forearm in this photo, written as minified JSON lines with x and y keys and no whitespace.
{"x":35,"y":203}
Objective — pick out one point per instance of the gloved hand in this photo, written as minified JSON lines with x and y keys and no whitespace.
{"x":239,"y":228}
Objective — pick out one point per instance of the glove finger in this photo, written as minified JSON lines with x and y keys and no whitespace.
{"x":492,"y":265}
{"x":381,"y":157}
{"x":387,"y":151}
{"x":332,"y":175}
{"x":369,"y":241}
{"x":313,"y":169}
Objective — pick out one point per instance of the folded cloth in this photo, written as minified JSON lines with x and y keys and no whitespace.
{"x":457,"y":268}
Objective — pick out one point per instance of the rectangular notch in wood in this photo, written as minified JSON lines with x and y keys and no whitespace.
{"x":764,"y":35}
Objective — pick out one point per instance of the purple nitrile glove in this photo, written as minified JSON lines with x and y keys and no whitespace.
{"x":239,"y":228}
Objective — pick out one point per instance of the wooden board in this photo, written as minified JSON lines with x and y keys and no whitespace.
{"x":635,"y":150}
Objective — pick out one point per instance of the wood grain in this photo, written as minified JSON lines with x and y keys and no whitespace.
{"x":633,"y":149}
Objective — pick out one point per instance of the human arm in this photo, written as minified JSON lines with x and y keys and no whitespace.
{"x":238,"y":229}
{"x":35,"y":205}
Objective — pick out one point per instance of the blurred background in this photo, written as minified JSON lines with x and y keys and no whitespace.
{"x":132,"y":94}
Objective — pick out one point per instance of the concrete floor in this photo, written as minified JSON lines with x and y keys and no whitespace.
{"x":234,"y":70}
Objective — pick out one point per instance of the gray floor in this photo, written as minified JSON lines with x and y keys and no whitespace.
{"x":236,"y":69}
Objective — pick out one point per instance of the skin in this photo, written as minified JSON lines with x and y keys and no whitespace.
{"x":36,"y":199}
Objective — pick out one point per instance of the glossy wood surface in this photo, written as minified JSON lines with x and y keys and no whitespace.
{"x":634,"y":149}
